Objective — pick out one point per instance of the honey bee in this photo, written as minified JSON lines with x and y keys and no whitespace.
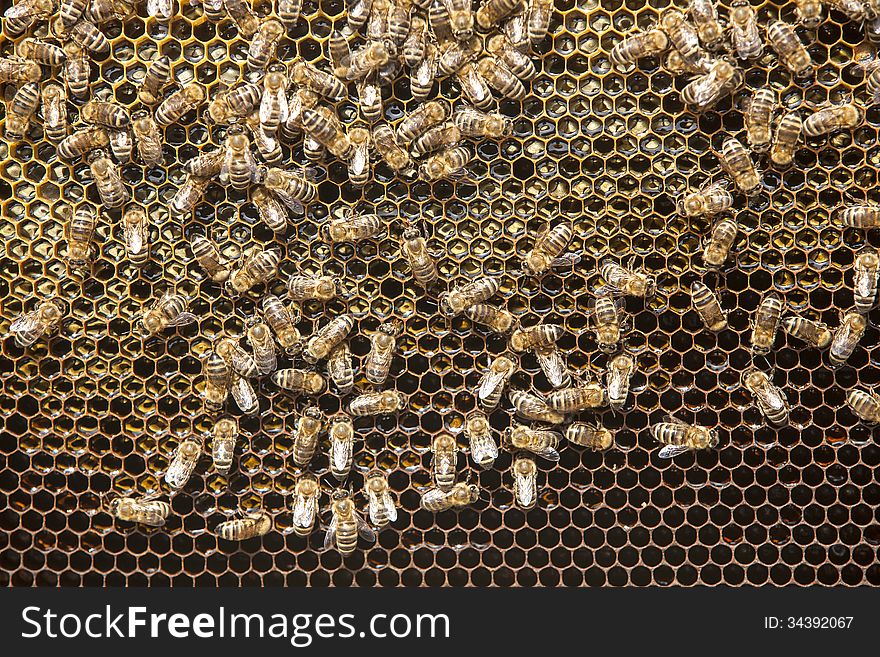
{"x":17,"y":71}
{"x":622,"y":280}
{"x":267,"y":144}
{"x":459,"y":496}
{"x":548,"y":248}
{"x":188,"y":195}
{"x":382,"y":347}
{"x":814,"y":333}
{"x":682,"y":37}
{"x":535,"y":337}
{"x":109,"y":115}
{"x":719,"y":243}
{"x":448,"y":163}
{"x":103,"y":11}
{"x":80,"y":230}
{"x":474,"y":87}
{"x":620,"y":370}
{"x":254,"y":523}
{"x":161,"y":10}
{"x":461,"y":18}
{"x":292,"y":189}
{"x":352,"y":228}
{"x":462,"y":297}
{"x":436,"y":138}
{"x":321,"y":288}
{"x":860,"y":216}
{"x":223,"y":437}
{"x":789,"y":49}
{"x":423,"y":264}
{"x":846,"y":337}
{"x":833,"y":117}
{"x":274,"y":108}
{"x":242,"y":14}
{"x":216,"y":381}
{"x":421,"y":76}
{"x":854,"y":10}
{"x":305,"y":504}
{"x":244,"y":395}
{"x":500,"y":78}
{"x":594,"y":436}
{"x":234,"y":104}
{"x":20,"y":16}
{"x":359,"y":161}
{"x":41,"y":52}
{"x":54,"y":112}
{"x":708,"y":89}
{"x":70,"y":11}
{"x":289,"y":11}
{"x":483,"y":448}
{"x":305,"y":439}
{"x":605,"y":317}
{"x":580,"y":398}
{"x":340,"y":368}
{"x":313,"y":149}
{"x":300,"y":381}
{"x":765,"y":324}
{"x":262,"y":345}
{"x":636,"y":46}
{"x":169,"y":311}
{"x":141,"y":510}
{"x":541,"y":442}
{"x":516,"y":30}
{"x":438,"y":19}
{"x":525,"y":481}
{"x":21,"y":110}
{"x":866,"y":405}
{"x":346,"y":524}
{"x":156,"y":78}
{"x":238,"y":161}
{"x":377,"y":403}
{"x":358,"y":64}
{"x":866,"y":269}
{"x":516,"y":61}
{"x":254,"y":268}
{"x":282,"y":322}
{"x":324,"y":84}
{"x":357,"y":14}
{"x":149,"y":138}
{"x":744,"y":34}
{"x":711,"y":199}
{"x":705,"y":18}
{"x":136,"y":232}
{"x":769,"y":398}
{"x":179,"y":103}
{"x":444,"y":458}
{"x":678,"y":437}
{"x":81,"y":142}
{"x":419,"y":121}
{"x":758,"y":119}
{"x":238,"y":360}
{"x":76,"y":70}
{"x":539,"y":14}
{"x":472,"y":122}
{"x":206,"y":165}
{"x":394,"y":156}
{"x":496,"y":319}
{"x":341,"y":447}
{"x":707,"y":307}
{"x":43,"y":320}
{"x":413,"y":50}
{"x":809,"y":12}
{"x":369,"y":101}
{"x":264,"y":44}
{"x":788,"y":132}
{"x":86,"y":34}
{"x":183,"y":463}
{"x":327,"y":337}
{"x":493,"y":382}
{"x":736,"y":161}
{"x":108,"y":181}
{"x":380,"y":502}
{"x":492,"y":12}
{"x":270,"y":209}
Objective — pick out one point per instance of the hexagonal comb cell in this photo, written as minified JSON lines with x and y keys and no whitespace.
{"x":97,"y":411}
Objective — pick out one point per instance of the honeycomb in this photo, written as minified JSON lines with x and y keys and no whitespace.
{"x":97,"y":409}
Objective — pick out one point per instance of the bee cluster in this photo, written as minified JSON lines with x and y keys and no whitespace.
{"x":283,"y":106}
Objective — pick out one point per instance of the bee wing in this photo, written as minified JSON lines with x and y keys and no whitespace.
{"x":244,"y":395}
{"x":548,"y":453}
{"x":364,"y":530}
{"x":183,"y":319}
{"x":26,"y":323}
{"x":243,"y":363}
{"x":445,"y":463}
{"x":670,"y":451}
{"x":553,"y":366}
{"x":484,"y":449}
{"x":390,"y":507}
{"x":340,"y":453}
{"x":490,"y":381}
{"x":330,"y":537}
{"x":674,"y":420}
{"x":133,"y":237}
{"x":433,"y":497}
{"x":304,"y":511}
{"x":566,"y":260}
